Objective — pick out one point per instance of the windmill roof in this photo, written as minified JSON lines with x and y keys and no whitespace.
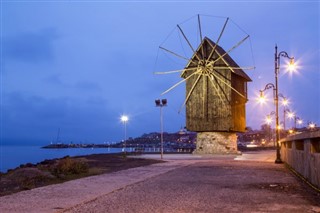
{"x":227,"y":58}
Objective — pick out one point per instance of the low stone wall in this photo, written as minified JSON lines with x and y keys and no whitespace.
{"x":302,"y":152}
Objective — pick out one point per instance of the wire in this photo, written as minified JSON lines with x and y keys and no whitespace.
{"x":253,"y":59}
{"x":172,"y":59}
{"x":156,"y":61}
{"x":183,"y":49}
{"x":188,"y":19}
{"x":238,"y":26}
{"x":171,"y":32}
{"x":224,"y":17}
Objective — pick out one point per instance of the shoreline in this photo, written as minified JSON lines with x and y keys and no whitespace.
{"x":29,"y":176}
{"x":12,"y":156}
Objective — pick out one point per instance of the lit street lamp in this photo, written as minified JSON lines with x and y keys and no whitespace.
{"x":285,"y":103}
{"x":312,"y":125}
{"x":297,"y":120}
{"x":290,"y":116}
{"x":161,"y":104}
{"x":124,"y":120}
{"x":269,"y":121}
{"x":276,"y":94}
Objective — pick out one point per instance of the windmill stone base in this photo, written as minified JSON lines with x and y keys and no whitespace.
{"x":216,"y":143}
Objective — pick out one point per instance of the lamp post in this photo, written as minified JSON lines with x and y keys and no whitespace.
{"x":284,"y":118}
{"x":311,"y":125}
{"x":161,"y":104}
{"x":268,"y":121}
{"x":276,"y":70}
{"x":297,"y":120}
{"x":285,"y":103}
{"x":124,"y":120}
{"x":290,"y":116}
{"x":275,"y":87}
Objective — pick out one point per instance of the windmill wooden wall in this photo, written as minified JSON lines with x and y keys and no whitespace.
{"x":238,"y":109}
{"x":213,"y":106}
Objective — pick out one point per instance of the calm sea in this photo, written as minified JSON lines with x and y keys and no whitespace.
{"x":12,"y":156}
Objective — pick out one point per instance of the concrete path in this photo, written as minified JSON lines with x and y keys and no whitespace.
{"x":185,"y":183}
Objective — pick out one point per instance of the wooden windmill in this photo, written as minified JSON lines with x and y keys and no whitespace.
{"x":216,"y":91}
{"x":216,"y":94}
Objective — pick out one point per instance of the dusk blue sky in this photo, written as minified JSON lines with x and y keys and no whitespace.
{"x":80,"y":65}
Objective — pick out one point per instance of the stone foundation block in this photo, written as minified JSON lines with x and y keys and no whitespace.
{"x":216,"y":143}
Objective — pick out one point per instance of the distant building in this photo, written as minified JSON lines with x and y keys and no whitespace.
{"x":255,"y":136}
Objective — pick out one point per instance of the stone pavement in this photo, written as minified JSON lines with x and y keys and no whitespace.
{"x":185,"y":183}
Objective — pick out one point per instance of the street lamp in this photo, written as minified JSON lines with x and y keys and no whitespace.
{"x":276,"y":70}
{"x":161,"y":104}
{"x":285,"y":103}
{"x":124,"y":120}
{"x":275,"y":87}
{"x":297,"y":120}
{"x":269,"y":121}
{"x":311,"y":125}
{"x":290,"y":114}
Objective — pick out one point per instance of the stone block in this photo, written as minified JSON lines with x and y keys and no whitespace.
{"x":216,"y":143}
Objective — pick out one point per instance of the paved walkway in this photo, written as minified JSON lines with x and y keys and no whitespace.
{"x":185,"y":183}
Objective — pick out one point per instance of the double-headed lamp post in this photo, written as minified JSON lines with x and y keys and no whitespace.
{"x":276,"y":94}
{"x":124,"y":120}
{"x":161,"y":104}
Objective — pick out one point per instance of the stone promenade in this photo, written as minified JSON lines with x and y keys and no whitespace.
{"x":185,"y":183}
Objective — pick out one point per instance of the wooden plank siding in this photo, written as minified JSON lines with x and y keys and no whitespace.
{"x":239,"y":103}
{"x":213,"y":106}
{"x":205,"y":110}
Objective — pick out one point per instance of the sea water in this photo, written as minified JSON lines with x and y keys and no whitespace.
{"x":12,"y":156}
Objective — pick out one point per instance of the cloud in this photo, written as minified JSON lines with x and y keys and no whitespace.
{"x":35,"y":119}
{"x":38,"y":118}
{"x":82,"y":86}
{"x":30,"y":46}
